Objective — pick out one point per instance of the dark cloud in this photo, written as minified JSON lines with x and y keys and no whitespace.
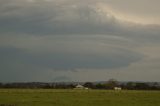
{"x":65,"y":61}
{"x":62,"y":79}
{"x":40,"y":35}
{"x":17,"y":64}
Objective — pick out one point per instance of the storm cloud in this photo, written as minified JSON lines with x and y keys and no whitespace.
{"x":42,"y":40}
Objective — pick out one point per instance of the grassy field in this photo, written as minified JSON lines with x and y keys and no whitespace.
{"x":49,"y":97}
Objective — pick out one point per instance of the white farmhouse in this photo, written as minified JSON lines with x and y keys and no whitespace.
{"x":117,"y":88}
{"x":79,"y":87}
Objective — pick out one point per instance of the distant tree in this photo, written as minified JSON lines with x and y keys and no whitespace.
{"x":155,"y":86}
{"x":88,"y":85}
{"x":70,"y":86}
{"x":142,"y":86}
{"x":112,"y":83}
{"x":130,"y":85}
{"x":100,"y":86}
{"x":1,"y":85}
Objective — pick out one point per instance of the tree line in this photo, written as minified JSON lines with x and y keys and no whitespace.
{"x":110,"y":84}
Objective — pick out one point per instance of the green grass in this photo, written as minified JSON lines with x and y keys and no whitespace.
{"x":49,"y":97}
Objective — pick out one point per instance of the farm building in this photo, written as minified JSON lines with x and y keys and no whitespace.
{"x":117,"y":88}
{"x":80,"y":87}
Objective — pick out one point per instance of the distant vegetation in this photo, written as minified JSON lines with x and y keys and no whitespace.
{"x":92,"y":85}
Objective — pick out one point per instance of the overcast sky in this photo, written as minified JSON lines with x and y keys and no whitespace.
{"x":79,"y":40}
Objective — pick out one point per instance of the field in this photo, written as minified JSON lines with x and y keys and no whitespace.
{"x":49,"y":97}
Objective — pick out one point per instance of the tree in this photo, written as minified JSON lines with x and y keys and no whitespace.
{"x":1,"y":85}
{"x":142,"y":86}
{"x":100,"y":86}
{"x":88,"y":85}
{"x":130,"y":85}
{"x":112,"y":83}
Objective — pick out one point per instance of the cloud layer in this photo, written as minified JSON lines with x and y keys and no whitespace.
{"x":42,"y":40}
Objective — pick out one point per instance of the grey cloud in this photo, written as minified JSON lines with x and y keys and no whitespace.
{"x":68,"y":17}
{"x":65,"y":61}
{"x":62,"y":79}
{"x":38,"y":37}
{"x":20,"y":65}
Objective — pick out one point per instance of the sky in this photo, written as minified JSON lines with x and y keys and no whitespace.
{"x":79,"y":40}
